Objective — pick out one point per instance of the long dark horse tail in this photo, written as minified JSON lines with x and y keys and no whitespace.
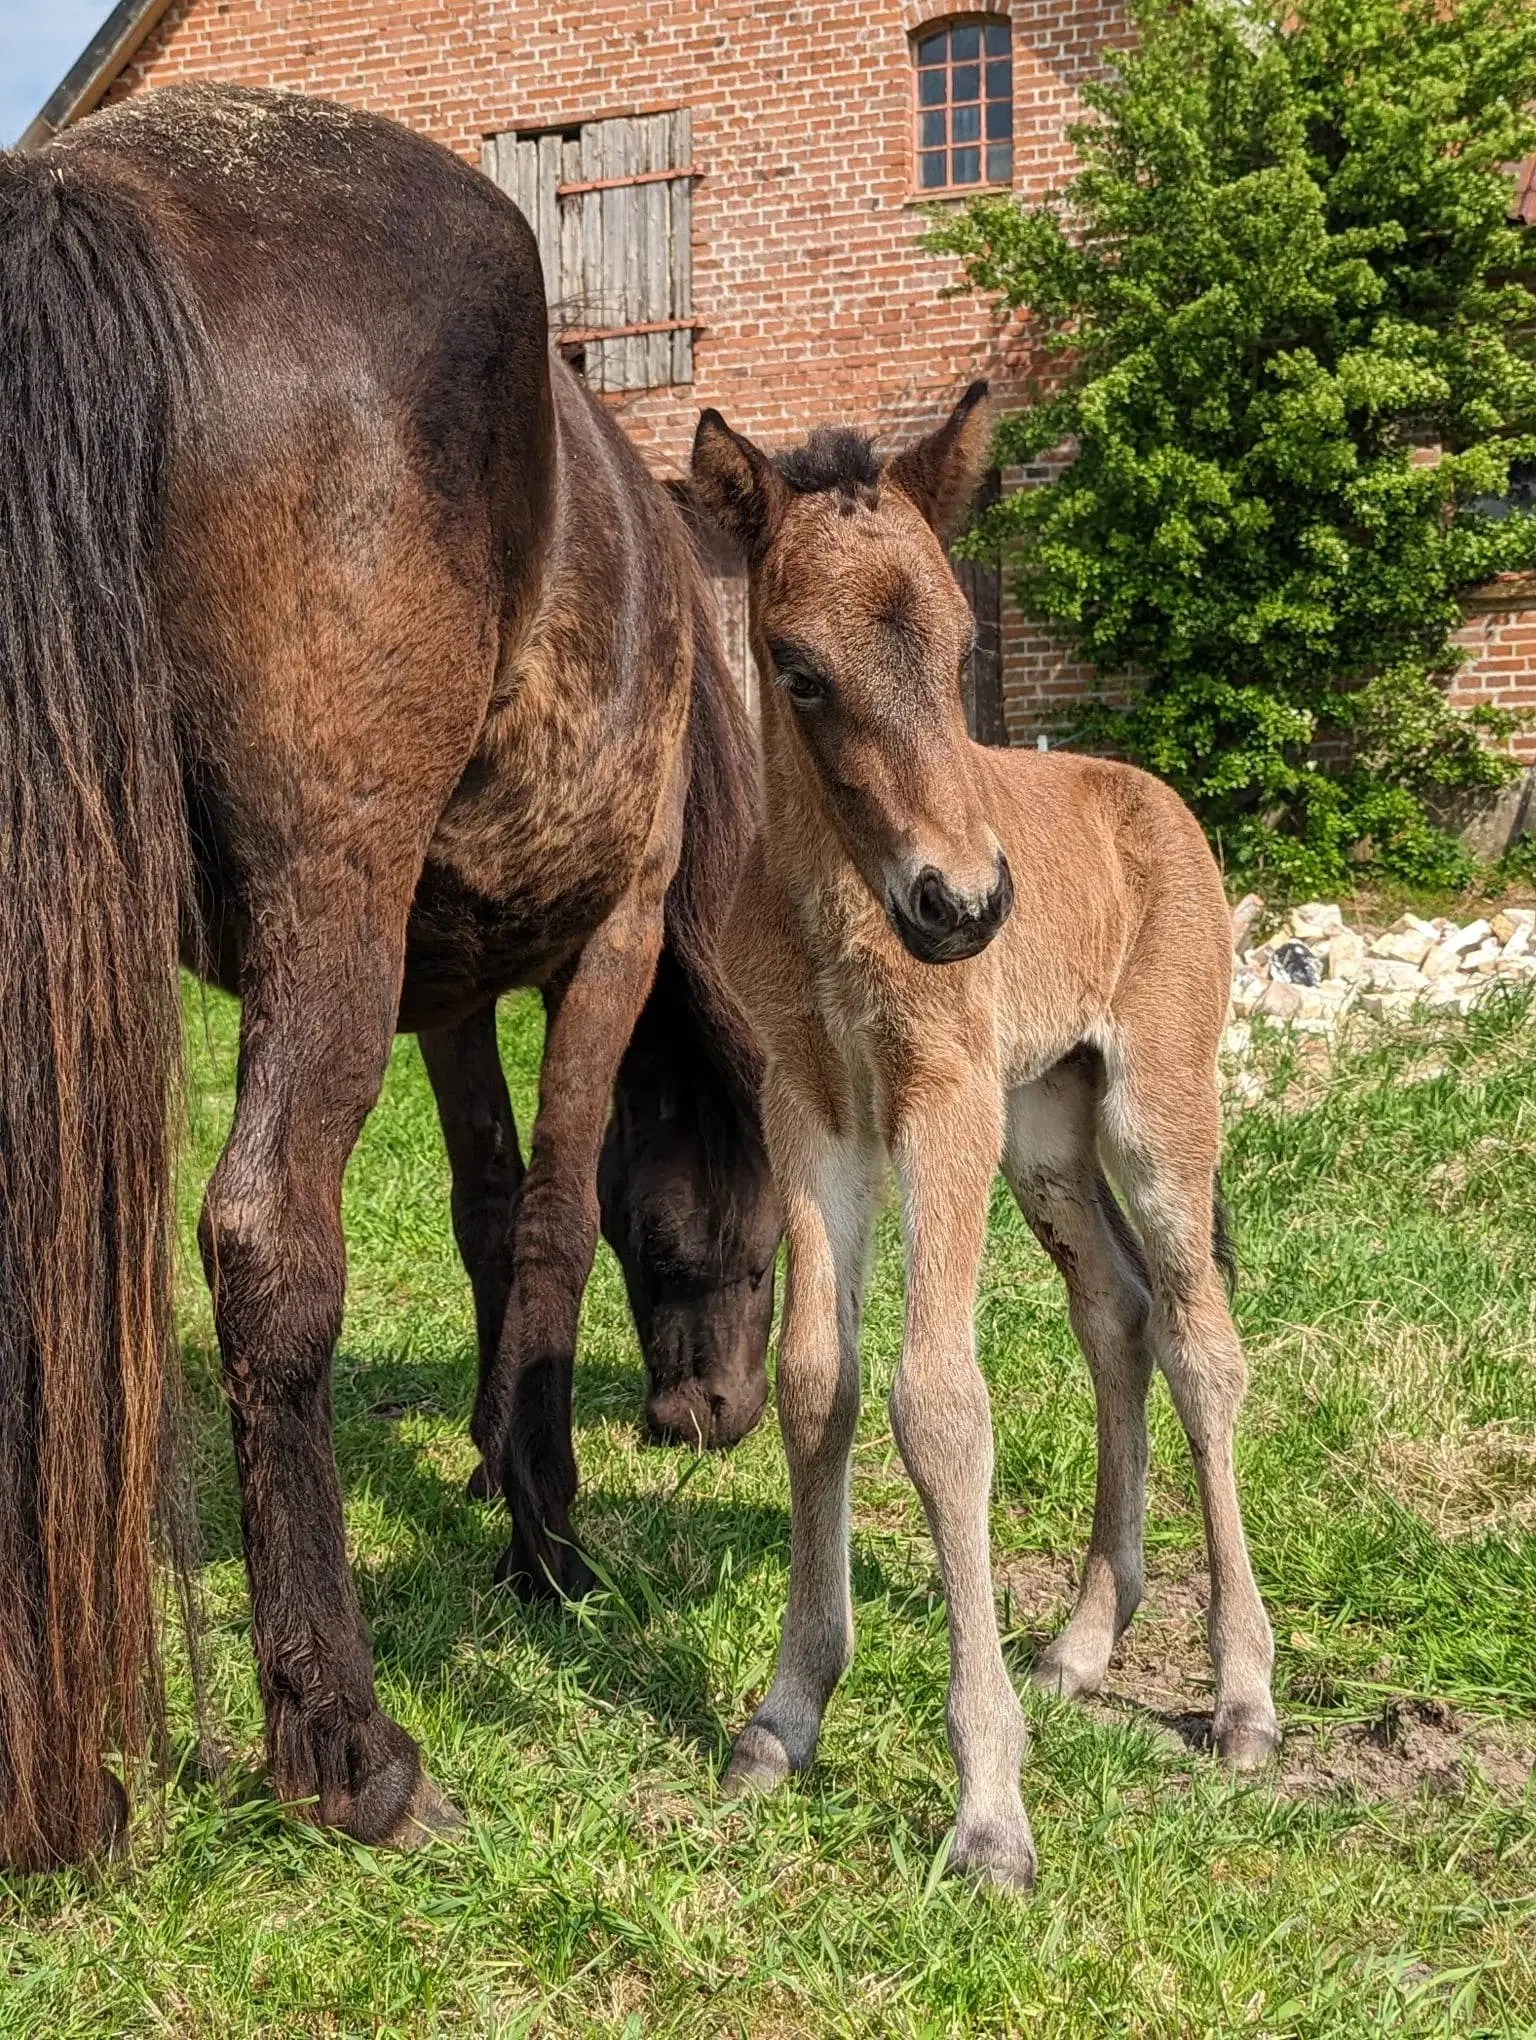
{"x":96,"y":356}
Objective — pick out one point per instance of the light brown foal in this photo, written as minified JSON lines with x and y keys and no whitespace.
{"x":1071,"y":1035}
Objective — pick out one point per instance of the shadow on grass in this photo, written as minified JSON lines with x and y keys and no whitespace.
{"x":429,"y":1592}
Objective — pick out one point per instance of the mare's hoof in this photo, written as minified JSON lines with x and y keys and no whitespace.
{"x":482,"y":1485}
{"x":557,"y":1572}
{"x":1249,"y":1740}
{"x":428,"y":1817}
{"x":759,"y":1763}
{"x":1001,"y":1854}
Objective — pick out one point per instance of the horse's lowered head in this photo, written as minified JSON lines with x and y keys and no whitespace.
{"x":688,"y":1207}
{"x":859,"y":625}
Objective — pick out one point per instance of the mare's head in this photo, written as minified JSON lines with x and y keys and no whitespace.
{"x":862,"y":636}
{"x":689,"y":1209}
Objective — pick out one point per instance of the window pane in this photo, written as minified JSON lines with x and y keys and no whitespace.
{"x":932,"y":131}
{"x":931,"y":49}
{"x":999,"y":81}
{"x":931,"y":169}
{"x":966,"y":82}
{"x":1000,"y":163}
{"x":967,"y":125}
{"x":997,"y":38}
{"x":965,"y":166}
{"x":964,"y":43}
{"x":932,"y":87}
{"x":999,"y":123}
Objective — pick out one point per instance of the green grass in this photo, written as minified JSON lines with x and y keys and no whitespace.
{"x":1386,"y":1219}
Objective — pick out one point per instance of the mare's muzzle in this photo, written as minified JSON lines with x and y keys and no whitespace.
{"x":706,"y":1381}
{"x":939,"y":925}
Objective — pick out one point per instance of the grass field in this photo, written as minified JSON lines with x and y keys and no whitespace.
{"x":1384,"y":1882}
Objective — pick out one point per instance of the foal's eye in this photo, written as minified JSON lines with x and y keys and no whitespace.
{"x":805,"y":690}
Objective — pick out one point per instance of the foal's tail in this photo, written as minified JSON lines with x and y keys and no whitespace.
{"x":96,"y":354}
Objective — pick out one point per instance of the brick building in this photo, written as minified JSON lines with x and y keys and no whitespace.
{"x":726,"y":195}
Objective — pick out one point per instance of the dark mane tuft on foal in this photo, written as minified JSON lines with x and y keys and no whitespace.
{"x":833,"y":457}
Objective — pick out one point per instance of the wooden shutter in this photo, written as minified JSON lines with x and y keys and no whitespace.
{"x":612,"y":206}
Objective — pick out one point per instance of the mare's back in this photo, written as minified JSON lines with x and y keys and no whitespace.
{"x":338,"y":260}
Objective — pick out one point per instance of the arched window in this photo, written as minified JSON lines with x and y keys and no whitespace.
{"x":963,"y":73}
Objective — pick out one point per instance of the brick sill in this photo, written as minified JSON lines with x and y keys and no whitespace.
{"x":1503,"y":592}
{"x":957,"y":197}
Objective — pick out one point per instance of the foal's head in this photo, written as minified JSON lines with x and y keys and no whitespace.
{"x":859,"y":627}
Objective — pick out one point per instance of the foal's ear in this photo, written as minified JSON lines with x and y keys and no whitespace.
{"x":941,"y":473}
{"x":737,"y":484}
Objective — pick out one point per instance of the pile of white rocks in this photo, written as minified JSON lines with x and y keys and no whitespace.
{"x":1315,"y":968}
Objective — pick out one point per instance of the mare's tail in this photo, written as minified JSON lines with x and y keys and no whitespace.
{"x":96,"y":355}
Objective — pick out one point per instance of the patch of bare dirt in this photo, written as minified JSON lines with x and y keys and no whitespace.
{"x":1037,"y":1589}
{"x":1162,"y":1665}
{"x":1412,"y":1747}
{"x":1160,"y":1679}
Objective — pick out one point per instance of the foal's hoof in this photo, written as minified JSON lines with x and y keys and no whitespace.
{"x":1247,"y":1741}
{"x":1066,"y":1675}
{"x":1001,"y":1854}
{"x":759,"y":1763}
{"x":428,"y":1817}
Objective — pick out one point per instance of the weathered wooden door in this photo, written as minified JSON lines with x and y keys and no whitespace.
{"x":610,"y":203}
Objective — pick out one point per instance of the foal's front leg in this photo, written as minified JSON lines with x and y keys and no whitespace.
{"x":946,"y":1152}
{"x":827,"y":1185}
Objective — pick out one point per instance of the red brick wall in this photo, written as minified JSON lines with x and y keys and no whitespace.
{"x":815,"y":300}
{"x":1500,"y":636}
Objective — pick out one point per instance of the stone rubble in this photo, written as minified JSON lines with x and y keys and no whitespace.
{"x":1315,"y":969}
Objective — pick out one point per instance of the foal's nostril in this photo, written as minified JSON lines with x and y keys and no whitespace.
{"x":1000,"y":905}
{"x":934,"y":907}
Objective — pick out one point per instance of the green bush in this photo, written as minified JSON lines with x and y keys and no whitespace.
{"x":1284,"y":264}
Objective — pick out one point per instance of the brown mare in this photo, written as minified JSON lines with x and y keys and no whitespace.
{"x":348,"y":652}
{"x":1073,"y":1030}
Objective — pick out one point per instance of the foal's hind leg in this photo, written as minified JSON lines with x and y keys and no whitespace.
{"x":1051,"y":1161}
{"x":321,"y":987}
{"x":480,"y":1133}
{"x":1162,"y":1124}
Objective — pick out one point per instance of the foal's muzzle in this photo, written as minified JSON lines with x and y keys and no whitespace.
{"x":939,"y":925}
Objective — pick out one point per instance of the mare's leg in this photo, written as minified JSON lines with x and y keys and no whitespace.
{"x":480,"y":1133}
{"x":945,"y":1147}
{"x":1052,"y":1164}
{"x":322,"y":982}
{"x":827,"y":1185}
{"x":1161,"y":1122}
{"x":522,"y":1420}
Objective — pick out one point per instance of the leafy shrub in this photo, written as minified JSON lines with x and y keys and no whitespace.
{"x":1289,"y":347}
